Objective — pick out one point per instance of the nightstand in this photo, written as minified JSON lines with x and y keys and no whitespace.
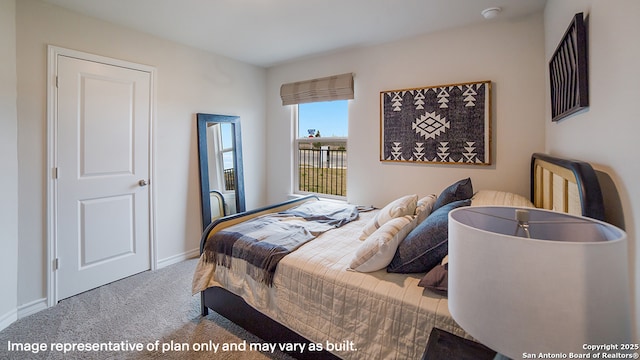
{"x":443,"y":345}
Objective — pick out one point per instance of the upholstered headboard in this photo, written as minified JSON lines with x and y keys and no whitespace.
{"x":564,"y":185}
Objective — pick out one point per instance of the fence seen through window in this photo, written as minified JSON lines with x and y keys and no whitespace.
{"x":322,"y":166}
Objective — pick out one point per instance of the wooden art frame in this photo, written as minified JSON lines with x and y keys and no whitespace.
{"x":444,"y":124}
{"x":568,"y":72}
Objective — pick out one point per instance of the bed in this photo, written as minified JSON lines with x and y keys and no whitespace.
{"x":325,"y":301}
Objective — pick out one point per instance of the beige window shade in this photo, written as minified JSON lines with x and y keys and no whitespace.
{"x":337,"y":87}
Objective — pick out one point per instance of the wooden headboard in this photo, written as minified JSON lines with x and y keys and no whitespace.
{"x":564,"y":185}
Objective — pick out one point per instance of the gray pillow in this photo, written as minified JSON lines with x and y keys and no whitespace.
{"x":426,"y":245}
{"x":460,"y":190}
{"x":437,"y":279}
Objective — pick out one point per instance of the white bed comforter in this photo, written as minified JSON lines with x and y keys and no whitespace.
{"x":384,"y":315}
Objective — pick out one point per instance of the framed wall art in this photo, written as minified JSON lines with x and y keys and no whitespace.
{"x":568,"y":71}
{"x":445,"y":124}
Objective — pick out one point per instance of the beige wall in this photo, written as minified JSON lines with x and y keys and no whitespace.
{"x":9,"y":165}
{"x":606,"y":134}
{"x":510,"y":54}
{"x":188,"y":81}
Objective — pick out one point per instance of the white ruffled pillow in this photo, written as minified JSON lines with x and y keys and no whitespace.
{"x":405,"y":205}
{"x":496,"y":197}
{"x":425,"y":206}
{"x":377,"y":251}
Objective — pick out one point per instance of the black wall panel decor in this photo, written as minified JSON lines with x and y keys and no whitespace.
{"x":568,"y":71}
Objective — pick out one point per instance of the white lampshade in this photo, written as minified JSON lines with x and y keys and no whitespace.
{"x":566,"y":286}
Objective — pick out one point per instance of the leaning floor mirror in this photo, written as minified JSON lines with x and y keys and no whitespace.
{"x":220,"y":163}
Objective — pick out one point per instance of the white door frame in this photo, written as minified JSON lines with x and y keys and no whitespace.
{"x":52,"y":113}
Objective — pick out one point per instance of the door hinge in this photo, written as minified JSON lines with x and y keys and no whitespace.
{"x":56,"y":81}
{"x":54,"y":172}
{"x":56,"y":264}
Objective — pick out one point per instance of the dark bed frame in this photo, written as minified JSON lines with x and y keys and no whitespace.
{"x":238,"y":311}
{"x":591,"y":199}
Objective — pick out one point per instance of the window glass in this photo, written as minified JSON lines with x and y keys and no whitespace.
{"x":227,"y":136}
{"x":326,"y":119}
{"x":227,"y":152}
{"x":321,"y":149}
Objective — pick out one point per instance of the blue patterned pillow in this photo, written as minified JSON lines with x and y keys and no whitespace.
{"x":426,"y":245}
{"x":460,"y":190}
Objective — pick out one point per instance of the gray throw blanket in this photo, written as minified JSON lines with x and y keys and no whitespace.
{"x":263,"y":241}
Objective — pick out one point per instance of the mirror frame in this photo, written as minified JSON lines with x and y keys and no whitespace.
{"x":203,"y":162}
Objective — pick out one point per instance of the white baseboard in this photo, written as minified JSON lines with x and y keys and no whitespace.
{"x":178,"y":258}
{"x":22,"y":311}
{"x":8,"y":319}
{"x":32,"y":308}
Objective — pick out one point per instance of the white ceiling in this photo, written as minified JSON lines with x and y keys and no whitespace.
{"x":269,"y":32}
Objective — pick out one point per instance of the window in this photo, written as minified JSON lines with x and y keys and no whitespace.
{"x":320,"y":149}
{"x":227,"y":150}
{"x":221,"y":148}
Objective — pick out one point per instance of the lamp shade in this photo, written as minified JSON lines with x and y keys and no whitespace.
{"x":564,"y":287}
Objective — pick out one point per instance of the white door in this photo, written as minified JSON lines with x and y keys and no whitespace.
{"x":102,"y":195}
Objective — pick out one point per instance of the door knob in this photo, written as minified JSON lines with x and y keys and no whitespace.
{"x":143,"y":182}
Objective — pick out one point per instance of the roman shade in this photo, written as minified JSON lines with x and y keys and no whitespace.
{"x":337,"y":87}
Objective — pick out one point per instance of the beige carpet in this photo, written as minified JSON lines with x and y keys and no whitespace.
{"x":154,"y":307}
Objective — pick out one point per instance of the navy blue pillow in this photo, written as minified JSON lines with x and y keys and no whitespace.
{"x":426,"y":245}
{"x":460,"y":190}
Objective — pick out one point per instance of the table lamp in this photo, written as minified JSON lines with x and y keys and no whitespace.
{"x":530,"y":281}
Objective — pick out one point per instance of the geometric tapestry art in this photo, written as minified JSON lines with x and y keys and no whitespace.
{"x":445,"y":124}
